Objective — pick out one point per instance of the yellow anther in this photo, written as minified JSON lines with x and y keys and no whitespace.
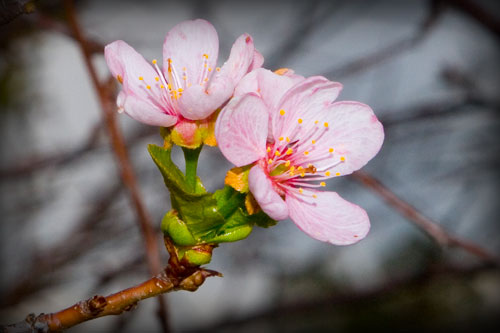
{"x":316,"y":122}
{"x":287,"y":139}
{"x":289,"y":151}
{"x":327,"y":173}
{"x":270,"y":161}
{"x":184,"y":77}
{"x":169,"y":60}
{"x":154,"y":61}
{"x":337,"y":174}
{"x":205,"y":56}
{"x":209,"y":69}
{"x":300,"y":121}
{"x":162,"y":86}
{"x":268,"y":149}
{"x":184,"y":69}
{"x":180,"y":90}
{"x":326,"y":124}
{"x":281,"y":138}
{"x":119,"y":78}
{"x":303,"y":174}
{"x":277,"y":153}
{"x":282,"y":112}
{"x":281,"y":71}
{"x":204,"y":65}
{"x":206,"y":79}
{"x":330,"y":150}
{"x":342,"y":158}
{"x":287,"y":163}
{"x":141,"y":78}
{"x":157,"y":79}
{"x":169,"y":86}
{"x":306,"y":153}
{"x":322,"y":184}
{"x":148,"y":86}
{"x":315,"y":196}
{"x":300,"y":168}
{"x":217,"y":69}
{"x":301,"y":190}
{"x":313,"y":141}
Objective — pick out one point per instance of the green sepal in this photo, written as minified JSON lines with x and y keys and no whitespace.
{"x":178,"y":231}
{"x":197,"y":258}
{"x":197,"y":209}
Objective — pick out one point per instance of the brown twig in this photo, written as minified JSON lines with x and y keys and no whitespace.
{"x":431,"y":228}
{"x":121,"y":154}
{"x":100,"y":306}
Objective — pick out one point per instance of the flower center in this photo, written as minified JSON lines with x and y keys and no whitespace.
{"x":168,"y":88}
{"x":293,"y":159}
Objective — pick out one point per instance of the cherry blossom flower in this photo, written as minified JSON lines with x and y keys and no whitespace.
{"x":190,"y":86}
{"x":296,"y":137}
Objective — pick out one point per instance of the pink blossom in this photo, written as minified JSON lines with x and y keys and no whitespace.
{"x":190,"y":86}
{"x":296,"y":137}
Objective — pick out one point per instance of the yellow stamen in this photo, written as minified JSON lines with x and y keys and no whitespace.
{"x":300,"y":121}
{"x":326,"y":124}
{"x":301,"y":190}
{"x":270,"y":161}
{"x":148,"y":86}
{"x":268,"y":149}
{"x":289,"y":151}
{"x":154,"y":61}
{"x":316,"y":122}
{"x":282,"y":112}
{"x":330,"y":150}
{"x":337,"y":174}
{"x":327,"y":173}
{"x":322,"y":184}
{"x":162,"y":86}
{"x":287,"y":139}
{"x":180,"y":90}
{"x":209,"y":69}
{"x":315,"y":196}
{"x":141,"y":78}
{"x":281,"y":138}
{"x":157,"y":79}
{"x":287,"y":163}
{"x":306,"y":153}
{"x":313,"y":141}
{"x":119,"y":78}
{"x":217,"y":69}
{"x":342,"y":158}
{"x":277,"y":153}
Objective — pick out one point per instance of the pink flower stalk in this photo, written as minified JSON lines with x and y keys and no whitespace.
{"x":296,"y":137}
{"x":190,"y":86}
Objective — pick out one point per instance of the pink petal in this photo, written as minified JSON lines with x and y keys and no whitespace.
{"x":354,"y":133}
{"x":186,"y":44}
{"x":257,"y":62}
{"x":328,"y":218}
{"x":262,"y":189}
{"x":197,"y":103}
{"x":269,"y":86}
{"x":241,"y":130}
{"x":240,"y":59}
{"x":124,"y":61}
{"x":303,"y":101}
{"x":146,"y":112}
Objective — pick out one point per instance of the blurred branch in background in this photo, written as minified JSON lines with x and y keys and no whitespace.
{"x":121,"y":154}
{"x":431,"y":228}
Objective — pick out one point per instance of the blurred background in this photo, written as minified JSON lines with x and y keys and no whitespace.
{"x":429,"y":69}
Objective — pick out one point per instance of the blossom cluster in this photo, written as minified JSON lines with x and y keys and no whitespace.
{"x":284,"y":129}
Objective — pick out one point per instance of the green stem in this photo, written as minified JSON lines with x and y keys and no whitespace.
{"x":191,"y":156}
